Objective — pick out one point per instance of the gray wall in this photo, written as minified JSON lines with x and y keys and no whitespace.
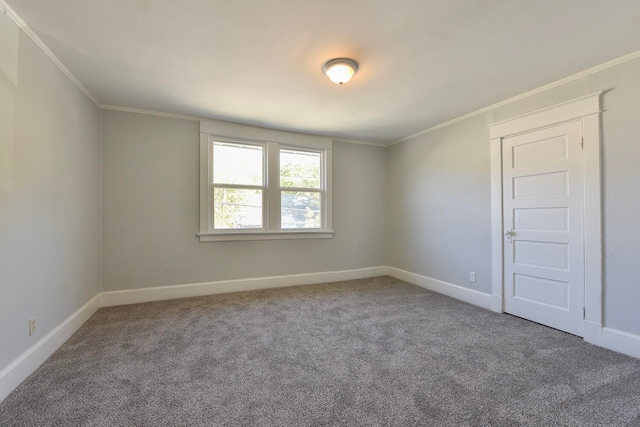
{"x":151,"y":212}
{"x":439,"y":194}
{"x":49,"y":194}
{"x":440,"y":204}
{"x":435,"y":190}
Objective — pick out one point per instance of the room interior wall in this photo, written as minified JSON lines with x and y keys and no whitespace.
{"x":440,"y":205}
{"x":439,"y":193}
{"x":49,"y":194}
{"x":422,"y":206}
{"x":151,"y":205}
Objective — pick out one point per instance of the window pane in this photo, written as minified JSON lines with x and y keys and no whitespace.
{"x":300,"y":209}
{"x":237,"y":164}
{"x":299,"y":169}
{"x":237,"y":208}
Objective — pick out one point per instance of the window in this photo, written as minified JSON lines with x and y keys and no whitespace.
{"x":300,"y":189}
{"x":257,"y":190}
{"x":238,"y":186}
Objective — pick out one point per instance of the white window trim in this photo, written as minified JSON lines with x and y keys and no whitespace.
{"x":272,"y":140}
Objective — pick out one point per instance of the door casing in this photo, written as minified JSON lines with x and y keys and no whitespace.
{"x":588,"y":110}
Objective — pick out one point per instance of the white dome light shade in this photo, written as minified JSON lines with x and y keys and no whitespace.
{"x":340,"y":70}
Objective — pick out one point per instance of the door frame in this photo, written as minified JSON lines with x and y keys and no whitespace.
{"x":586,"y":109}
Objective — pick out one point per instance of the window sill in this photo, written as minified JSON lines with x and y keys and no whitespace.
{"x":265,"y":235}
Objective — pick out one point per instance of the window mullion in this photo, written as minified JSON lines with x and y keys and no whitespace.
{"x":273,"y":187}
{"x":327,"y":207}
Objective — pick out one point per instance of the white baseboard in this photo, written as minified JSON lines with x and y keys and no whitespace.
{"x":135,"y":296}
{"x":458,"y":292}
{"x":496,"y":304}
{"x":25,"y":364}
{"x":622,"y":342}
{"x":593,"y":333}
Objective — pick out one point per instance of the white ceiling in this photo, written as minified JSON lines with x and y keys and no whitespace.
{"x":422,"y":62}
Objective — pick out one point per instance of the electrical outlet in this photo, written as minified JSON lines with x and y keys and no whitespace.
{"x":472,"y":276}
{"x":32,"y":326}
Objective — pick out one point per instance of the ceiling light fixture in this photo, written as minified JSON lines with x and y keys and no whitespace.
{"x":340,"y":70}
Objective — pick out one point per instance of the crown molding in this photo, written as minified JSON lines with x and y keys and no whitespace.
{"x":585,"y":73}
{"x":7,"y":10}
{"x":195,"y":118}
{"x":359,"y":142}
{"x":38,"y":41}
{"x":151,"y":113}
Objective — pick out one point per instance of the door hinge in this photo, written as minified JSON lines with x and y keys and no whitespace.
{"x":584,"y":313}
{"x":582,"y":142}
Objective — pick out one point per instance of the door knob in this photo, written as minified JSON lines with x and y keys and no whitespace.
{"x":509,"y":233}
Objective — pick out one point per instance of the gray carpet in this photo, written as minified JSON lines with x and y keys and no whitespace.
{"x":363,"y":352}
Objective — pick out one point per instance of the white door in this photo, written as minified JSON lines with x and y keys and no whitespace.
{"x":543,"y":203}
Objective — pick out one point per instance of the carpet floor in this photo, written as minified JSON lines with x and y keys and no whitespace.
{"x":371,"y":352}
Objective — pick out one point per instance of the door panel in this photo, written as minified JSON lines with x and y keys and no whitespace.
{"x":546,"y":184}
{"x":541,"y":254}
{"x":541,"y":219}
{"x":542,"y":151}
{"x":543,"y":189}
{"x":541,"y":291}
